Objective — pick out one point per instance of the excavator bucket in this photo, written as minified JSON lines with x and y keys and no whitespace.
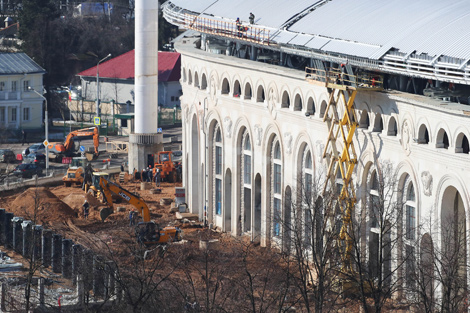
{"x":105,"y":212}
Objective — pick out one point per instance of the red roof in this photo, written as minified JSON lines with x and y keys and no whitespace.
{"x":122,"y":67}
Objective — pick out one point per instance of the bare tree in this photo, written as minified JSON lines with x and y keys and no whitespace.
{"x":377,"y":232}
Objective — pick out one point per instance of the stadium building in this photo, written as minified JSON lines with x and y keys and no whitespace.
{"x":263,"y":98}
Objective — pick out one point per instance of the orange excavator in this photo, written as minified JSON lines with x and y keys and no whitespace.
{"x":147,"y":232}
{"x":67,"y":147}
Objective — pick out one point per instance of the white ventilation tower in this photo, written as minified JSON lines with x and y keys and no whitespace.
{"x":145,"y":141}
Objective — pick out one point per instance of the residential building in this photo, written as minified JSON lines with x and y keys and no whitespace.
{"x":20,"y":107}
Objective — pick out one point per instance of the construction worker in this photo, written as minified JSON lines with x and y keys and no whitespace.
{"x":157,"y":177}
{"x":86,"y":209}
{"x":143,"y":175}
{"x":149,"y":174}
{"x":132,"y":216}
{"x":252,"y":18}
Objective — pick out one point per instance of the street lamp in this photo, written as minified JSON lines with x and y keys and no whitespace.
{"x":98,"y":84}
{"x":46,"y":121}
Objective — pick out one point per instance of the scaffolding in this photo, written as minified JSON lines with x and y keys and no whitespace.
{"x":339,"y":151}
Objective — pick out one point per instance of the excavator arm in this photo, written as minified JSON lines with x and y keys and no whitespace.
{"x":108,"y":188}
{"x":68,"y":143}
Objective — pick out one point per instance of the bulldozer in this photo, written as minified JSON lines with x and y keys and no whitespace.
{"x":168,"y":168}
{"x":147,"y":232}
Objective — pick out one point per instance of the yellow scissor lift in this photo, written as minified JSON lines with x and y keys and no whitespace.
{"x":342,"y":88}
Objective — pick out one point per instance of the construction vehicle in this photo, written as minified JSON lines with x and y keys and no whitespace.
{"x":93,"y":188}
{"x":78,"y":171}
{"x":148,"y":232}
{"x":67,"y":149}
{"x":168,"y":168}
{"x":340,"y":116}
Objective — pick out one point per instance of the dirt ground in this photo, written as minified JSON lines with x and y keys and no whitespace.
{"x":60,"y":209}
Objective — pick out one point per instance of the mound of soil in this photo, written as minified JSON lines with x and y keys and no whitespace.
{"x":75,"y":200}
{"x":45,"y":204}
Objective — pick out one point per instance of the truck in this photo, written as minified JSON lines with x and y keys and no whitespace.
{"x":59,"y":150}
{"x":147,"y":232}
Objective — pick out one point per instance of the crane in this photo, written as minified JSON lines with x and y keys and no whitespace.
{"x":148,"y":232}
{"x":343,"y":88}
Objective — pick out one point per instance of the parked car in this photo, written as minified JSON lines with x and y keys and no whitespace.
{"x":7,"y":156}
{"x":36,"y":158}
{"x":177,"y":156}
{"x":36,"y":148}
{"x":26,"y":170}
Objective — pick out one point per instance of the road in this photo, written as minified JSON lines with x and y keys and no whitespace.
{"x":172,"y":139}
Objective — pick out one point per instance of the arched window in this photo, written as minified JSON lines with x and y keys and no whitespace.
{"x":423,"y":135}
{"x":364,"y":120}
{"x":196,"y":80}
{"x":203,"y":82}
{"x":285,"y":100}
{"x":237,"y":90}
{"x":217,"y":170}
{"x":184,"y":75}
{"x":442,"y":139}
{"x":392,"y":127}
{"x":323,"y":108}
{"x":260,"y":96}
{"x":276,"y":179}
{"x":247,"y":91}
{"x":190,"y":78}
{"x":246,"y":186}
{"x":378,"y":123}
{"x":306,"y":171}
{"x":310,"y":106}
{"x":225,"y":87}
{"x":297,"y":103}
{"x":410,"y":229}
{"x":461,"y":144}
{"x":379,"y":230}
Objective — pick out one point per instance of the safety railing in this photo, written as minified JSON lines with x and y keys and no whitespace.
{"x":336,"y":77}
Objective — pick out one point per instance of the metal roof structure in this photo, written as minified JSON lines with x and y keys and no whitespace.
{"x":424,"y":33}
{"x":18,"y":63}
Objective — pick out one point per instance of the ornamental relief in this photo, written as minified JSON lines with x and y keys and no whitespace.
{"x":426,"y":179}
{"x":228,"y":126}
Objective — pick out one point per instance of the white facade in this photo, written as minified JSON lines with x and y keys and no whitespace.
{"x":19,"y":106}
{"x":392,"y":130}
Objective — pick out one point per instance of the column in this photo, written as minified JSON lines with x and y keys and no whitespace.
{"x":8,"y":230}
{"x":77,"y":252}
{"x":98,"y":276}
{"x":46,"y":247}
{"x":56,"y":253}
{"x":27,"y":227}
{"x":2,"y":226}
{"x":17,"y":234}
{"x":37,"y":237}
{"x":67,"y":258}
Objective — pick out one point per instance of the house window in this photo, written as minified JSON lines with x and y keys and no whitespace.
{"x":26,"y":116}
{"x":276,"y":178}
{"x":218,"y":196}
{"x":2,"y":86}
{"x":217,"y":158}
{"x":13,"y":85}
{"x":26,"y":85}
{"x":247,"y":160}
{"x":123,"y":123}
{"x":277,"y":217}
{"x":2,"y":114}
{"x":172,"y":98}
{"x":13,"y":114}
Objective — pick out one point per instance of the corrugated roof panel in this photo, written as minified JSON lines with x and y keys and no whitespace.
{"x":317,"y":42}
{"x":284,"y":37}
{"x":350,"y":48}
{"x":300,"y":40}
{"x":18,"y":63}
